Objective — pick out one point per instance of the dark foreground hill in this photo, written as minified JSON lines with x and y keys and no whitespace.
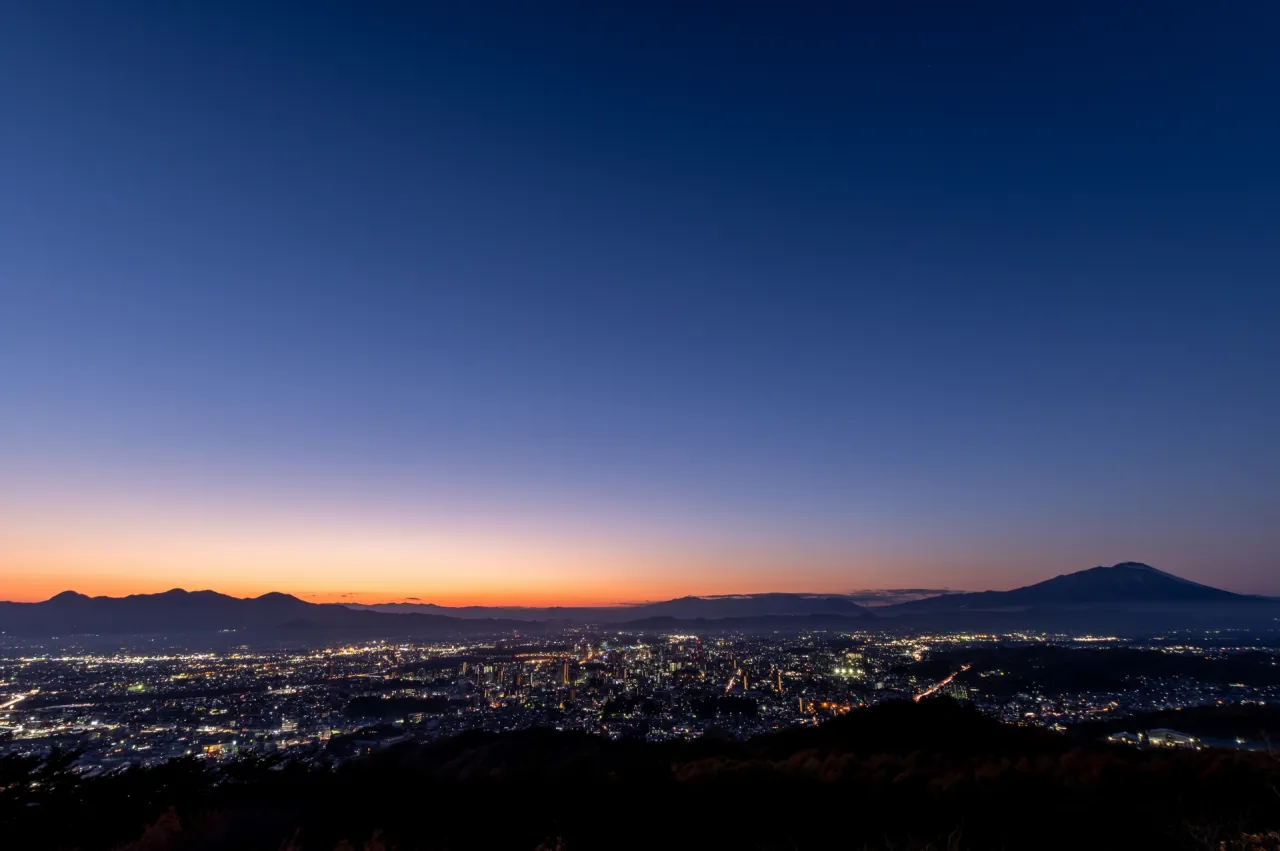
{"x":903,"y":776}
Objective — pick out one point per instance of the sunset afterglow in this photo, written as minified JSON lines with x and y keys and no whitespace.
{"x":441,"y":313}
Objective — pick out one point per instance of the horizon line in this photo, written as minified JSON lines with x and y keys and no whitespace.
{"x":336,"y":599}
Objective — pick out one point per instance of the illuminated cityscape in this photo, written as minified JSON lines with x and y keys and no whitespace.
{"x":119,"y":710}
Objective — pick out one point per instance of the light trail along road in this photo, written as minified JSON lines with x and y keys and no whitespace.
{"x":933,"y":689}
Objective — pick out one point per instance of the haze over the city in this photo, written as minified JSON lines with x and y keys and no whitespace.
{"x":564,"y":304}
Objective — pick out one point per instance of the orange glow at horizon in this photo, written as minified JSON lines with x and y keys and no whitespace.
{"x":31,"y":589}
{"x":529,"y":577}
{"x":61,"y":538}
{"x":382,"y":567}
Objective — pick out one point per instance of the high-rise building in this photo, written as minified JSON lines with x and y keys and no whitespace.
{"x":779,"y":674}
{"x":564,"y":672}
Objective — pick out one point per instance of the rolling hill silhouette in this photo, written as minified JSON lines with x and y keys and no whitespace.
{"x":179,"y":612}
{"x":1127,"y":596}
{"x":692,"y":608}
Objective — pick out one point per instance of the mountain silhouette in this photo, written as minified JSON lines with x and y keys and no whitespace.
{"x":1129,"y":597}
{"x":685,"y":608}
{"x":179,"y":612}
{"x":1127,"y":582}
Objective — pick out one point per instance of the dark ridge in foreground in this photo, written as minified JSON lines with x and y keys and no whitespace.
{"x":897,"y":775}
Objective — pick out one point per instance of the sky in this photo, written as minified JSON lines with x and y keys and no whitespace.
{"x":533,"y":303}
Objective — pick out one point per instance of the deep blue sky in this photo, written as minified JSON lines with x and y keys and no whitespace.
{"x":614,"y":300}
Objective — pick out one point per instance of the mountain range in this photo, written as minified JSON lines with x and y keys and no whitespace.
{"x":1127,"y":596}
{"x":725,"y":606}
{"x":179,"y":612}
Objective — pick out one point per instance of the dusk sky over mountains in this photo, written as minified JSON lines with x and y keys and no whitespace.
{"x":560,"y":304}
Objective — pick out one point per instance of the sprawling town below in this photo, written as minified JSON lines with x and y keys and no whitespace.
{"x":119,"y":710}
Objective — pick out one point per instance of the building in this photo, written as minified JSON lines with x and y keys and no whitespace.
{"x":1164,"y":737}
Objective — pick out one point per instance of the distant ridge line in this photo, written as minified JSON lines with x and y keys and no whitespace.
{"x":1128,"y":595}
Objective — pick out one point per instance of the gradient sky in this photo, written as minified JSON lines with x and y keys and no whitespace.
{"x":544,"y":302}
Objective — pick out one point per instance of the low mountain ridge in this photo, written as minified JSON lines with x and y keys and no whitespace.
{"x":180,"y":612}
{"x":685,"y":608}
